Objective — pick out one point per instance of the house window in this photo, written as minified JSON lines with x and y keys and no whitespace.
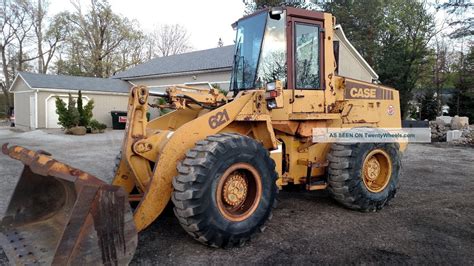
{"x":307,"y":56}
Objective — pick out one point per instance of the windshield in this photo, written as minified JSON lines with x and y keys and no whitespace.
{"x":260,"y":52}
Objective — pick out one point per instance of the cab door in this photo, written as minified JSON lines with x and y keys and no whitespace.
{"x":305,"y":66}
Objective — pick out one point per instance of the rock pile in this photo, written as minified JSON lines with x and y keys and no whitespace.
{"x":467,"y":136}
{"x":438,"y":130}
{"x":458,"y":127}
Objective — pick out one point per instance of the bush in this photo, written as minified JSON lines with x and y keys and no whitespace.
{"x":218,"y":87}
{"x":85,"y":112}
{"x":97,"y":126}
{"x":68,"y":113}
{"x":162,"y":101}
{"x":71,"y":116}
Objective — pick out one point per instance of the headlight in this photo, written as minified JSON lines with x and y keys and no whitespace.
{"x":271,"y":86}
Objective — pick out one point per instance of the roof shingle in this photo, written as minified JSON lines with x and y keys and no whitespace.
{"x":75,"y":83}
{"x":210,"y":59}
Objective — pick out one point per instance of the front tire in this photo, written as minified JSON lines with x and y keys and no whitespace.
{"x":225,"y":190}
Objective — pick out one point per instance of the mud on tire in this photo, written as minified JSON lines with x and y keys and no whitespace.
{"x":346,"y":177}
{"x":195,"y":194}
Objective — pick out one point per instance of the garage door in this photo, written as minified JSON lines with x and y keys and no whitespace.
{"x":51,"y":116}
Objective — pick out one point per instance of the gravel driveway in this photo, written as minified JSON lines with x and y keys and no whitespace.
{"x":430,"y":221}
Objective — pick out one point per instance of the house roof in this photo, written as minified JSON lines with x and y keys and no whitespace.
{"x":204,"y":60}
{"x":342,"y":37}
{"x":63,"y":82}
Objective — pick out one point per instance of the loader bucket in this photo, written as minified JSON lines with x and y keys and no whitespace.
{"x":60,"y":215}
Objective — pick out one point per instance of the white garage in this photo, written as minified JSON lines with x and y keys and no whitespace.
{"x":35,"y":97}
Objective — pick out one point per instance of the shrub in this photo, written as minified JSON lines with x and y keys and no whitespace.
{"x":68,"y":113}
{"x":162,"y":101}
{"x":85,"y":112}
{"x":218,"y":87}
{"x":96,"y":125}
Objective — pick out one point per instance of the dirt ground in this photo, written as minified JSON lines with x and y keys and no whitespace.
{"x":431,"y":221}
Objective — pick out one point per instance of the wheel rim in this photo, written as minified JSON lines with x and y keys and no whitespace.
{"x":238,"y":192}
{"x":377,"y":170}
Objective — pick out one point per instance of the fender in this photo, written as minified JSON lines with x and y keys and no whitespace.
{"x":158,"y":192}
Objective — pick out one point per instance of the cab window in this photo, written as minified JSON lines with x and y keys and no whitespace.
{"x":307,"y":55}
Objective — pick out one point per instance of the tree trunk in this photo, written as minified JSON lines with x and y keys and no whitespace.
{"x":39,"y":34}
{"x":6,"y":85}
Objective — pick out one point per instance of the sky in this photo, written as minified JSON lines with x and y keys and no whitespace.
{"x":205,"y":20}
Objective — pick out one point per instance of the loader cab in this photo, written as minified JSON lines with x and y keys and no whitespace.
{"x":279,"y":44}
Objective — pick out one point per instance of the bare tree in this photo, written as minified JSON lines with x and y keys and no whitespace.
{"x":459,"y":13}
{"x":23,"y":34}
{"x":10,"y":25}
{"x":168,"y":39}
{"x":47,"y":39}
{"x":96,"y":40}
{"x":129,"y":53}
{"x":38,"y":15}
{"x":51,"y":39}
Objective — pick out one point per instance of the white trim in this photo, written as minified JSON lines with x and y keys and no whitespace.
{"x":32,"y":124}
{"x":46,"y":106}
{"x":36,"y":109}
{"x":187,"y":83}
{"x":202,"y":82}
{"x":83,"y":91}
{"x":20,"y":92}
{"x":359,"y":57}
{"x":223,"y":69}
{"x":14,"y":80}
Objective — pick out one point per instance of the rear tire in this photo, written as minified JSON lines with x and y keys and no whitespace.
{"x":225,"y":190}
{"x":364,"y":176}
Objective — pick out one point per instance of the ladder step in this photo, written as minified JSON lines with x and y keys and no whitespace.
{"x":312,"y":164}
{"x":317,"y":185}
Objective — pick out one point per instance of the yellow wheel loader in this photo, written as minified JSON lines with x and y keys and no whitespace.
{"x":220,"y":159}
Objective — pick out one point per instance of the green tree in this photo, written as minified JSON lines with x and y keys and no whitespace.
{"x":428,"y":105}
{"x":85,"y":112}
{"x":80,"y":110}
{"x":408,"y":28}
{"x":361,"y":24}
{"x":68,"y":115}
{"x":254,"y":5}
{"x":391,"y":35}
{"x":462,"y":102}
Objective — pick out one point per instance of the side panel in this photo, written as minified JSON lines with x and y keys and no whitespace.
{"x":349,"y":65}
{"x":370,"y":103}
